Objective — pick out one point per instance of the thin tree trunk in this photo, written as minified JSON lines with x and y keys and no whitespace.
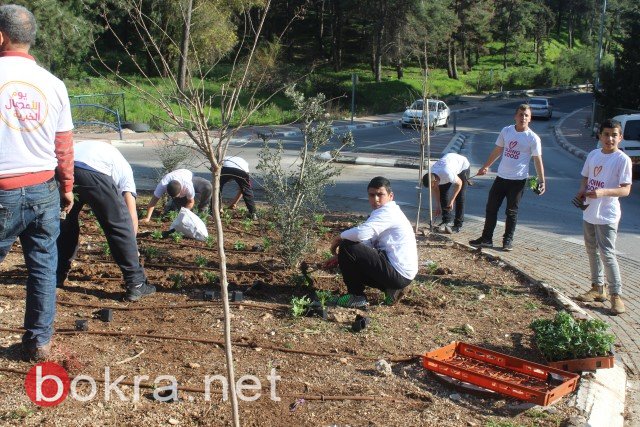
{"x":454,"y":60}
{"x":449,"y":61}
{"x":336,"y":35}
{"x":224,"y":285}
{"x":320,"y":29}
{"x":184,"y":48}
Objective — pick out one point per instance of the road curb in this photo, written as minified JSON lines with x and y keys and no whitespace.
{"x":455,"y":144}
{"x":562,"y":141}
{"x":601,"y":394}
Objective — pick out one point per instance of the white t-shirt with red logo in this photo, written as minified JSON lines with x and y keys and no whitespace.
{"x":518,"y":149}
{"x":605,"y":171}
{"x":449,"y":166}
{"x":184,"y":177}
{"x":34,"y":105}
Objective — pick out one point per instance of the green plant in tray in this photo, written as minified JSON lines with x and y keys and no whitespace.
{"x":564,"y":338}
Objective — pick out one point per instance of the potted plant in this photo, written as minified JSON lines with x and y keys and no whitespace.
{"x":574,"y":345}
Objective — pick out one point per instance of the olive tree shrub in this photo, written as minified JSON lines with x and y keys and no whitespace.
{"x":295,"y":192}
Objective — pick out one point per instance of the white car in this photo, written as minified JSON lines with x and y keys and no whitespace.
{"x":541,"y":107}
{"x":630,"y":143}
{"x":438,"y":114}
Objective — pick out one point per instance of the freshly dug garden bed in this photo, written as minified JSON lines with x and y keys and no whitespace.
{"x":328,"y":373}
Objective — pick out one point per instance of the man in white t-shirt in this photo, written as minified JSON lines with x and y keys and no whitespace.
{"x":237,"y":169}
{"x":606,"y":176}
{"x":36,"y":170}
{"x":184,"y":189}
{"x":449,"y":178}
{"x":516,"y":145}
{"x":104,"y":181}
{"x":381,"y":252}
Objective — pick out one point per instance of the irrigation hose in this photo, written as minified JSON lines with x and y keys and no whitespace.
{"x":395,"y":359}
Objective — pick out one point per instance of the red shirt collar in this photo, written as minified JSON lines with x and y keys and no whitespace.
{"x":16,"y":53}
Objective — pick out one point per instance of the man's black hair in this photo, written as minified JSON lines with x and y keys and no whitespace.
{"x":173,"y":188}
{"x":379,"y":182}
{"x":611,"y":124}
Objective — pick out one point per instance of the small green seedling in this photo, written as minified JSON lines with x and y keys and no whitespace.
{"x":172,"y":215}
{"x":201,"y":261}
{"x":326,"y":255}
{"x":226,"y":217}
{"x":156,"y":235}
{"x":324,"y":297}
{"x":318,"y":218}
{"x":177,"y":236}
{"x":322,"y":230}
{"x":431,"y":267}
{"x":211,"y":277}
{"x":211,"y":240}
{"x":177,"y":279}
{"x":239,"y":246}
{"x":266,"y":243}
{"x":247,"y":224}
{"x":151,"y":252}
{"x":299,"y":306}
{"x":106,"y":250}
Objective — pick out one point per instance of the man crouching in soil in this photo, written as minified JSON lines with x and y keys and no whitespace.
{"x":380,"y":253}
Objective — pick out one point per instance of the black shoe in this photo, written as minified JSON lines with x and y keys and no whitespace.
{"x":507,"y":246}
{"x":349,"y":301}
{"x":456,"y":228}
{"x":481,"y":243}
{"x":134,"y":293}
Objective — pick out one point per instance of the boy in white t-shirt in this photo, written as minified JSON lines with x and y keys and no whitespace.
{"x":516,"y":146}
{"x":606,"y":176}
{"x":449,"y":178}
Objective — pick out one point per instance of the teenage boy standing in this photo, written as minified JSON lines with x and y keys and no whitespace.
{"x":517,"y":145}
{"x":606,"y":176}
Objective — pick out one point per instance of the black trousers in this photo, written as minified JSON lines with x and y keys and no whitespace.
{"x":203,"y":189}
{"x":362,"y":266}
{"x":244,"y":182}
{"x":100,"y":193}
{"x":445,"y":199}
{"x":512,"y":190}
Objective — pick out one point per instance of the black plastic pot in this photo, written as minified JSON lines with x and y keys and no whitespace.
{"x":82,"y":325}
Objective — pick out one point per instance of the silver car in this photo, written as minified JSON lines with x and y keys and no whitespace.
{"x":541,"y":107}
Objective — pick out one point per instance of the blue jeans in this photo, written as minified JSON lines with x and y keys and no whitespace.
{"x":33,"y":215}
{"x":600,"y":241}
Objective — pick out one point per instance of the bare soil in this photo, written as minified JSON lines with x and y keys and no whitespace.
{"x":328,"y":373}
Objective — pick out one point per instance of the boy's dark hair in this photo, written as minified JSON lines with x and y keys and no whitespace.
{"x":379,"y":182}
{"x":523,"y":107}
{"x":173,"y":188}
{"x":611,"y":124}
{"x":425,"y":178}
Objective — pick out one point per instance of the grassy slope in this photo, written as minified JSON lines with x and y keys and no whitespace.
{"x":390,"y":95}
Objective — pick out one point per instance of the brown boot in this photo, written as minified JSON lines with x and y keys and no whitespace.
{"x":597,"y":293}
{"x":617,"y":306}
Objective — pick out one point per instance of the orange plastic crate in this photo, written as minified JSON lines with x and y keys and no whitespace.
{"x":519,"y":378}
